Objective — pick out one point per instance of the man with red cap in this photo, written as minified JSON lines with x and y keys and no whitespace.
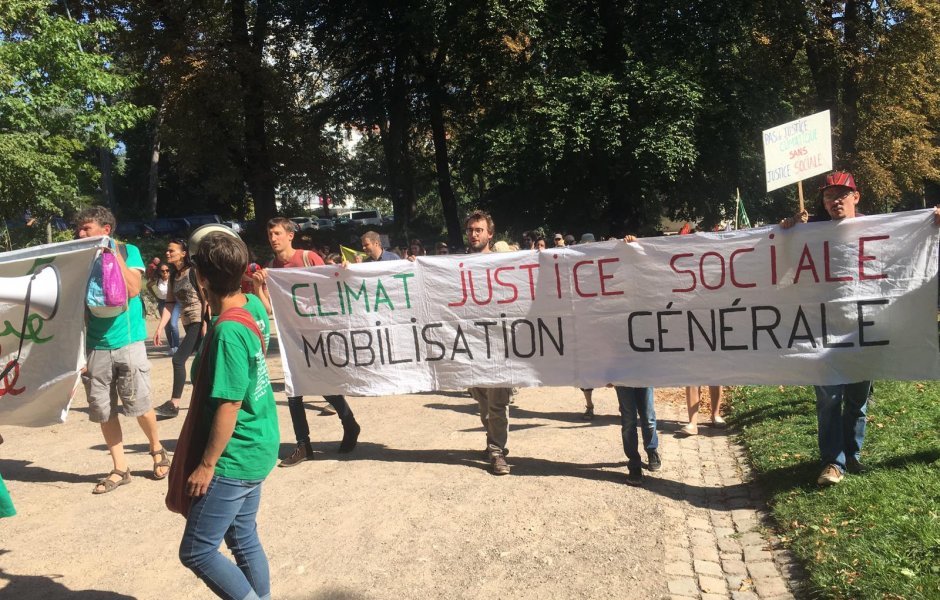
{"x":840,"y":409}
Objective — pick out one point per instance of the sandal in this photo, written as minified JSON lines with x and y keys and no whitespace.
{"x":588,"y":414}
{"x":109,"y":485}
{"x":164,"y":462}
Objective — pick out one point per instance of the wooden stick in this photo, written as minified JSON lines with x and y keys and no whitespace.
{"x":799,"y":186}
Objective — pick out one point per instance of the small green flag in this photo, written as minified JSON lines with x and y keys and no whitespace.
{"x":740,"y":217}
{"x":349,"y":255}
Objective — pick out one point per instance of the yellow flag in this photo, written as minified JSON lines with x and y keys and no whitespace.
{"x":349,"y":255}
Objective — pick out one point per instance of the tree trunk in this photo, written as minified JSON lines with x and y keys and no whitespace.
{"x":107,"y":181}
{"x":256,"y":166}
{"x":153,"y":177}
{"x":851,"y":68}
{"x":442,"y":165}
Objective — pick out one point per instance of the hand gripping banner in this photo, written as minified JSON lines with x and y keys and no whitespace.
{"x":820,"y":303}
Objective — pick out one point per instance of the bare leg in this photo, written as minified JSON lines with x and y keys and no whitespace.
{"x":692,"y":401}
{"x":148,"y":424}
{"x":588,"y":404}
{"x":114,"y":439}
{"x":715,"y":392}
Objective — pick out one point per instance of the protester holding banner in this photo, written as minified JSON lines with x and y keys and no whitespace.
{"x":372,"y":246}
{"x":493,"y":401}
{"x":240,"y":431}
{"x":117,"y":362}
{"x":281,"y":237}
{"x":637,"y":408}
{"x":183,"y":291}
{"x":841,"y":409}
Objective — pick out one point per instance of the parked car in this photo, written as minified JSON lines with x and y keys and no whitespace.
{"x":200,"y":220}
{"x":235,"y":226}
{"x":363,"y":218}
{"x":132,"y":229}
{"x":325,"y":224}
{"x":169,"y":226}
{"x":305,"y":223}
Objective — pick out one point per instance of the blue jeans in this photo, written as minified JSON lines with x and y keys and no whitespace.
{"x":172,"y":328}
{"x":228,"y":512}
{"x":840,"y":412}
{"x":636,"y":402}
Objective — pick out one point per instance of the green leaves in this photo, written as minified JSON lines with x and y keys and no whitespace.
{"x":59,"y":100}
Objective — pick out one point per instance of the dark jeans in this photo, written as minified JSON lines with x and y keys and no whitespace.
{"x":636,"y":402}
{"x":298,"y":416}
{"x":187,"y":347}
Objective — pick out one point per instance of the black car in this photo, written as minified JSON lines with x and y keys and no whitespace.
{"x":169,"y":226}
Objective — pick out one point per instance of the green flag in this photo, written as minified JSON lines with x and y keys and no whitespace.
{"x":349,"y":255}
{"x":740,"y":215}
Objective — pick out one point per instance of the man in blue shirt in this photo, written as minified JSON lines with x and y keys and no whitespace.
{"x":372,"y":246}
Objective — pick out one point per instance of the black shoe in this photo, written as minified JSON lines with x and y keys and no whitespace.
{"x":655,"y":463}
{"x":635,"y":476}
{"x":854,"y":467}
{"x":167,"y":409}
{"x":301,"y":453}
{"x":351,"y":431}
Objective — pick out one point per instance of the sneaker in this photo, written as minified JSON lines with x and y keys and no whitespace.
{"x":487,"y":452}
{"x":831,"y":475}
{"x":302,"y":452}
{"x":635,"y":476}
{"x":688,"y":430}
{"x":172,"y":351}
{"x":854,"y":467}
{"x":654,"y":460}
{"x":498,"y":464}
{"x":167,"y":409}
{"x":717,"y":421}
{"x":350,"y":437}
{"x":588,"y":414}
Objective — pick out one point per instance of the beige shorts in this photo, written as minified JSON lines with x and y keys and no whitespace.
{"x":122,"y":373}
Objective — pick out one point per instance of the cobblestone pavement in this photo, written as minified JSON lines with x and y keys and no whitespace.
{"x":721,"y":547}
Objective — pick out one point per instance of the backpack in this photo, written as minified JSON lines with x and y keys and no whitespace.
{"x":106,"y":295}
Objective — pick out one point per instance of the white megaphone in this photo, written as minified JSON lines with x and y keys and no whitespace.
{"x":201,"y":232}
{"x":40,"y":290}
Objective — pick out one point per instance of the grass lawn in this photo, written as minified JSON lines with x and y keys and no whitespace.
{"x":875,"y":535}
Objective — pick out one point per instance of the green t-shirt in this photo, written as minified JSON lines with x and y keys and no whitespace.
{"x":241,"y":374}
{"x":6,"y":504}
{"x":111,"y":333}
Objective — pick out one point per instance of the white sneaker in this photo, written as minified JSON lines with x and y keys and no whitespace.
{"x":717,"y":421}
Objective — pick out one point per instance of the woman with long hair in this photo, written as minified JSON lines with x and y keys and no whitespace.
{"x":183,"y":290}
{"x":158,"y":285}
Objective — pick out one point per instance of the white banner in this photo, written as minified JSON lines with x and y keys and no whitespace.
{"x":39,"y":390}
{"x":820,"y":303}
{"x":797,"y":150}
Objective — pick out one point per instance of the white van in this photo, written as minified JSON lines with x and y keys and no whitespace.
{"x":364,"y":217}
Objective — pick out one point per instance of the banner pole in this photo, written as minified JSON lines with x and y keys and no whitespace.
{"x":799,"y":186}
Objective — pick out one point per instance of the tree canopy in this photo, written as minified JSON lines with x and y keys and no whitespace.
{"x":600,"y":116}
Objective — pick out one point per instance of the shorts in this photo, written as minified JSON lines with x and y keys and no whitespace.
{"x":120,"y":373}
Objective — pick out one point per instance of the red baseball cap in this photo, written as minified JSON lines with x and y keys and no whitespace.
{"x":839,"y":179}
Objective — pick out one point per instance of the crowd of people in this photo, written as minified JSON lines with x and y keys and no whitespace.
{"x":220,"y":283}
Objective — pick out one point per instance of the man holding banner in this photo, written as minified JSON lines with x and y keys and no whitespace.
{"x":841,"y":409}
{"x":281,"y":237}
{"x":494,"y":402}
{"x":117,"y":362}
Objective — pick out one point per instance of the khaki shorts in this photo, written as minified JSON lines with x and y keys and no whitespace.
{"x":122,"y":373}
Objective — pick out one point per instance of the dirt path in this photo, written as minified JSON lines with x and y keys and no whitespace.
{"x":412,"y":513}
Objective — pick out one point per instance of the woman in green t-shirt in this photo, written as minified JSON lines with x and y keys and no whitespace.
{"x":240,"y":421}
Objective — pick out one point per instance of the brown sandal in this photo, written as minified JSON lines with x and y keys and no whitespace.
{"x":109,"y":485}
{"x":164,"y":462}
